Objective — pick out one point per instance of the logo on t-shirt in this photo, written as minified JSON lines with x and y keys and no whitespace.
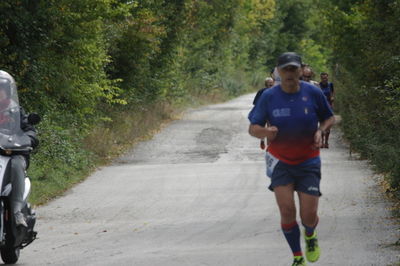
{"x":282,"y":112}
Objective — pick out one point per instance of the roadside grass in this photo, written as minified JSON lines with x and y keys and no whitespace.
{"x":54,"y":170}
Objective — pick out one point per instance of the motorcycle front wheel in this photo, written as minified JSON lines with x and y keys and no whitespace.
{"x":10,"y":255}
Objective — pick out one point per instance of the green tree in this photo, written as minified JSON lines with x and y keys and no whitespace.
{"x":365,"y":44}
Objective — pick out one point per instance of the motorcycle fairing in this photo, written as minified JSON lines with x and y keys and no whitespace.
{"x":4,"y":167}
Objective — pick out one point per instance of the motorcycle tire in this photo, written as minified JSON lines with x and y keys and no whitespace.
{"x":10,"y":255}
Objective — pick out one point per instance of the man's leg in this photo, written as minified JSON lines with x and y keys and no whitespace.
{"x":18,"y":166}
{"x":285,"y":198}
{"x":308,"y":209}
{"x":326,"y":144}
{"x":309,"y":218}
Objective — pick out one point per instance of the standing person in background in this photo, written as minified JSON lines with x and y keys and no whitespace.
{"x":288,"y":115}
{"x":329,"y":92}
{"x":269,"y":82}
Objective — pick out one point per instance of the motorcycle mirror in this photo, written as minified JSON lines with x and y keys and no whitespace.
{"x":34,"y":119}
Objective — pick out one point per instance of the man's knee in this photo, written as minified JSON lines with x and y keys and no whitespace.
{"x":287,"y":210}
{"x":18,"y":164}
{"x":309,"y":217}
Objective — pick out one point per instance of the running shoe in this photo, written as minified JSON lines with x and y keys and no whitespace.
{"x":299,"y":261}
{"x":312,"y":249}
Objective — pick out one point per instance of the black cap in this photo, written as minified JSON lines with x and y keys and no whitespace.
{"x":289,"y":59}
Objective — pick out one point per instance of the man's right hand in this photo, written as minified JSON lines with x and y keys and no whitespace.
{"x":260,"y":132}
{"x":271,"y":133}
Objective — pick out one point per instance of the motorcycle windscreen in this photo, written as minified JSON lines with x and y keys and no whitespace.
{"x":10,"y":123}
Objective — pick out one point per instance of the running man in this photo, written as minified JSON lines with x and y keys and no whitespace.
{"x":308,"y":74}
{"x":292,"y":112}
{"x":269,"y":83}
{"x":275,"y":76}
{"x":329,"y":92}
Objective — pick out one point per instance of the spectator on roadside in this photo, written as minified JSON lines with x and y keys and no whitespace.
{"x":288,"y":115}
{"x":329,"y":92}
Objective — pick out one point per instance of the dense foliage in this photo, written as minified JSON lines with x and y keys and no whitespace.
{"x":365,"y":43}
{"x":89,"y":66}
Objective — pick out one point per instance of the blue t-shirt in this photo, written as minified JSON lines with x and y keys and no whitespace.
{"x":327,"y":89}
{"x":296,"y":115}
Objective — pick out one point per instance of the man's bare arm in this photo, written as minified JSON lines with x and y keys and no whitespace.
{"x":263,"y":132}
